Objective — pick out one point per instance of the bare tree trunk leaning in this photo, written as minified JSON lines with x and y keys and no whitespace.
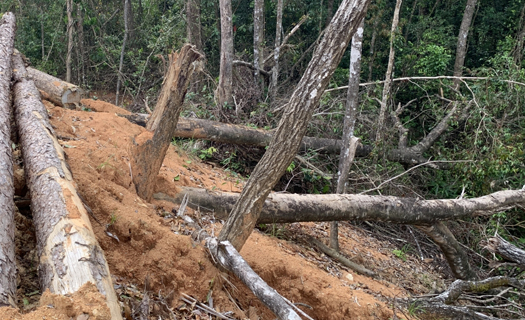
{"x":294,"y":121}
{"x":70,"y":255}
{"x":349,"y":140}
{"x":123,"y":49}
{"x":461,"y":50}
{"x":388,"y":77}
{"x":224,"y":90}
{"x":59,"y":92}
{"x":148,"y":156}
{"x":7,"y":189}
{"x":69,"y":9}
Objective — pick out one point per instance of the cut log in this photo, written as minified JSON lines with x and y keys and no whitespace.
{"x":506,"y":250}
{"x":226,"y":255}
{"x":7,"y":189}
{"x":148,"y":156}
{"x":59,"y":92}
{"x":70,"y":255}
{"x":288,"y":208}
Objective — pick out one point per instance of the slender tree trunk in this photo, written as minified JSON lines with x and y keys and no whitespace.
{"x":461,"y":50}
{"x":225,"y":91}
{"x":70,"y":255}
{"x":377,"y":18}
{"x":69,"y":9}
{"x":388,"y":77}
{"x":7,"y":189}
{"x":329,"y":9}
{"x":147,"y":157}
{"x":123,"y":49}
{"x":349,"y":140}
{"x":258,"y":40}
{"x":42,"y":34}
{"x":193,"y":31}
{"x":293,"y":124}
{"x":277,"y":51}
{"x":82,"y":56}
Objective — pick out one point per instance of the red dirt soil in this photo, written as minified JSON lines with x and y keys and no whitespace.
{"x":153,"y":251}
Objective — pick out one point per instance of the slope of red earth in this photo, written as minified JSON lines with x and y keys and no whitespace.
{"x":150,"y":250}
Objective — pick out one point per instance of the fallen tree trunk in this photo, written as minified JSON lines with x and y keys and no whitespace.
{"x":147,"y":157}
{"x":59,"y":92}
{"x":506,"y":250}
{"x":288,"y":208}
{"x":7,"y":189}
{"x":70,"y":255}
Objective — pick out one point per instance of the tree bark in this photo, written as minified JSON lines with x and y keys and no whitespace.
{"x":70,"y":255}
{"x":193,"y":32}
{"x":289,"y":208}
{"x":123,"y":49}
{"x":350,"y":142}
{"x":277,"y":50}
{"x":59,"y":92}
{"x":258,"y":40}
{"x":388,"y":77}
{"x":456,"y":256}
{"x":230,"y":259}
{"x":506,"y":250}
{"x":7,"y":189}
{"x":69,"y":9}
{"x":147,"y":157}
{"x":461,"y":50}
{"x":82,"y":58}
{"x":294,"y":121}
{"x":225,"y":91}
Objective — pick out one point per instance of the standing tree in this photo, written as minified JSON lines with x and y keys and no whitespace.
{"x":69,"y":9}
{"x":277,"y":51}
{"x":258,"y":38}
{"x":224,"y":91}
{"x":294,"y":121}
{"x":349,"y":140}
{"x":461,"y":50}
{"x":123,"y":49}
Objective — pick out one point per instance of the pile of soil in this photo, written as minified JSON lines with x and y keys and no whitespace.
{"x":150,"y":251}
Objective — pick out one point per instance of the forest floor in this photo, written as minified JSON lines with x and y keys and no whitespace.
{"x":150,"y":250}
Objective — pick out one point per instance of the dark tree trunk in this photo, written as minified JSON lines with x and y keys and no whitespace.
{"x":293,"y":124}
{"x":461,"y":50}
{"x":70,"y":255}
{"x":193,"y":32}
{"x":7,"y":189}
{"x":148,"y":156}
{"x":224,"y":90}
{"x":69,"y":9}
{"x":123,"y":49}
{"x":82,"y":55}
{"x":59,"y":92}
{"x":349,"y":141}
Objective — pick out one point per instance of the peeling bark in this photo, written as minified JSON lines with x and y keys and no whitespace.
{"x":293,"y":124}
{"x":70,"y":255}
{"x":59,"y":92}
{"x":7,"y":189}
{"x":147,"y":158}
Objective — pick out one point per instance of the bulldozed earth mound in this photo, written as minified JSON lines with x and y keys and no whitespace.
{"x":156,"y":258}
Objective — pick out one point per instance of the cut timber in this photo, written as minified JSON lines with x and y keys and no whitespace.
{"x":288,"y":208}
{"x":7,"y":189}
{"x":231,"y":260}
{"x":148,"y":156}
{"x":506,"y":250}
{"x":59,"y":92}
{"x":70,"y":255}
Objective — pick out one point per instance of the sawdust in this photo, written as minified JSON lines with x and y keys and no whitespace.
{"x":147,"y":249}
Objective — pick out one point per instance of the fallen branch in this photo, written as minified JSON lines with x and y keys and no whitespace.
{"x":339,"y":257}
{"x":227,"y":257}
{"x":506,"y":250}
{"x":59,"y":92}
